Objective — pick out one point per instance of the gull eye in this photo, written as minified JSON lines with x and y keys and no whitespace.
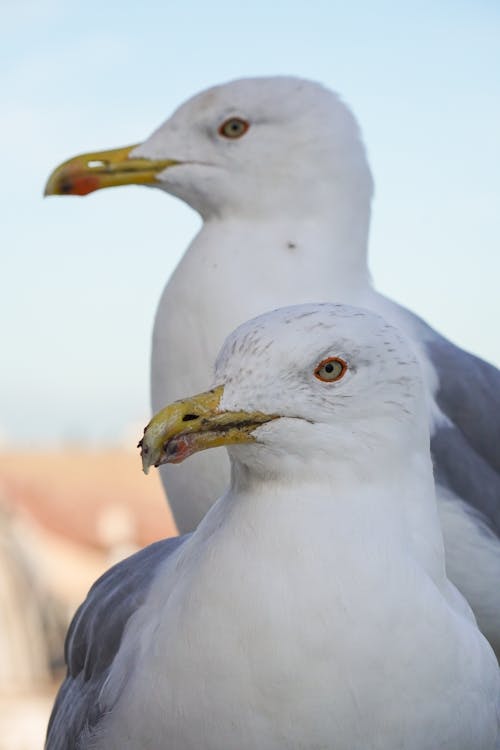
{"x":235,"y":127}
{"x":331,"y":369}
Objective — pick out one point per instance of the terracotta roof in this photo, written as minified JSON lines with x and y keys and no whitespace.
{"x":96,"y":498}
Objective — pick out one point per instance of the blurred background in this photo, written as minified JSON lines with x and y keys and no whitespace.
{"x":80,"y":278}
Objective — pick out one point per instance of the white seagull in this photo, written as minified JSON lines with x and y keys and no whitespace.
{"x":311,"y":607}
{"x":277,"y":169}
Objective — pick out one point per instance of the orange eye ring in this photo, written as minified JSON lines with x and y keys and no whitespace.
{"x":233,"y":127}
{"x":330,"y":369}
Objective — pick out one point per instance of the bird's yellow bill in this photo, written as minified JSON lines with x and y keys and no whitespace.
{"x":83,"y":174}
{"x":195,"y":424}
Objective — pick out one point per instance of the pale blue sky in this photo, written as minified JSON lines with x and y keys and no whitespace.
{"x":80,"y":278}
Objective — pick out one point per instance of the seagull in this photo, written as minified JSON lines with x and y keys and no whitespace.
{"x":277,"y":169}
{"x":311,"y":607}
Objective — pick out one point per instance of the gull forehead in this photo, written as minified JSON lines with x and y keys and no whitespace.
{"x":304,"y":110}
{"x":281,"y":95}
{"x":306,"y":326}
{"x":270,"y":363}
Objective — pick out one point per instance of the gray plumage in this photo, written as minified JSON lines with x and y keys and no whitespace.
{"x":465,"y":443}
{"x":93,"y":641}
{"x":466,"y":452}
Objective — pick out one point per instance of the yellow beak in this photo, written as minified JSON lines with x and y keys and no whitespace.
{"x":195,"y":424}
{"x":83,"y":174}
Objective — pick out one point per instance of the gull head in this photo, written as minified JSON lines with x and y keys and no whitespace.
{"x":250,"y":147}
{"x":316,"y":385}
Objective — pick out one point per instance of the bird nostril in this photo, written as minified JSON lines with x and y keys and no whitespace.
{"x":189,"y":417}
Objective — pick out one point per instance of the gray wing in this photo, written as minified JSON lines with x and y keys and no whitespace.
{"x":467,"y":451}
{"x":93,"y":640}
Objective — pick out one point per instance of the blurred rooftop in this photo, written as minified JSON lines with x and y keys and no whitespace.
{"x":65,"y":517}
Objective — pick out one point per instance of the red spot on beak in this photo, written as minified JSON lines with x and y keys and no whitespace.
{"x":179,"y":449}
{"x":80,"y":184}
